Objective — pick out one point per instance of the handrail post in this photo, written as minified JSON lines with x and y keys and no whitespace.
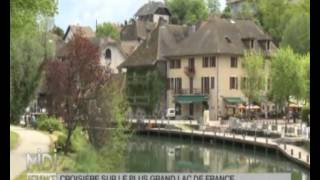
{"x":299,"y":155}
{"x":291,"y":152}
{"x":285,"y":146}
{"x":307,"y":158}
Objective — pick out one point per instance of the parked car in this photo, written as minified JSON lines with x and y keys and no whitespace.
{"x":171,"y":113}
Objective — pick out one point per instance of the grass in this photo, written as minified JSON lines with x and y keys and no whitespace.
{"x":14,"y":139}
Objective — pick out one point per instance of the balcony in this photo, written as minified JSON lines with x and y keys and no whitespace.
{"x":179,"y":92}
{"x":189,"y":71}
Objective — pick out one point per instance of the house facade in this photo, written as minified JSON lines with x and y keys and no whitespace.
{"x":205,"y":70}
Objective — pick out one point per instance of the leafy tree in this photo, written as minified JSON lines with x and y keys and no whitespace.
{"x":286,"y":77}
{"x":297,"y":33}
{"x":58,"y":31}
{"x":73,"y":83}
{"x":226,"y":12}
{"x":26,"y":50}
{"x":253,"y":84}
{"x":305,"y":61}
{"x":273,"y":16}
{"x":246,"y":11}
{"x":214,"y":6}
{"x":107,"y":30}
{"x":188,"y":11}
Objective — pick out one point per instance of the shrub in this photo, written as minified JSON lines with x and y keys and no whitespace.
{"x":49,"y":124}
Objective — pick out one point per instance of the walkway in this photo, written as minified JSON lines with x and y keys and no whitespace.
{"x":30,"y":142}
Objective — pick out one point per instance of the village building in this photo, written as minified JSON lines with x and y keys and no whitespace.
{"x":204,"y":71}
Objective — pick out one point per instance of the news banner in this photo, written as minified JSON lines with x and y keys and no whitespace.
{"x":158,"y":176}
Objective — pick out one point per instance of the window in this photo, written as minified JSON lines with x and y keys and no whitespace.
{"x":178,"y":84}
{"x":268,"y":44}
{"x":233,"y":83}
{"x":234,"y":62}
{"x":178,"y":63}
{"x":175,"y":64}
{"x":212,"y":82}
{"x":191,"y":62}
{"x":205,"y":85}
{"x":108,"y":54}
{"x":251,"y":43}
{"x":171,"y":83}
{"x":171,"y":64}
{"x":212,"y":62}
{"x":205,"y":62}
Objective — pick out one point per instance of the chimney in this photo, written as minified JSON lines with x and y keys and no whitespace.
{"x":125,"y":22}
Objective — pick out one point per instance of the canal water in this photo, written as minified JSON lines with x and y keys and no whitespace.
{"x":164,"y":154}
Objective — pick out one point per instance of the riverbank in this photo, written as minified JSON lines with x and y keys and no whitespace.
{"x":294,"y":153}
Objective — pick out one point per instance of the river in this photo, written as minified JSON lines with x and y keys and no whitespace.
{"x":163,"y":154}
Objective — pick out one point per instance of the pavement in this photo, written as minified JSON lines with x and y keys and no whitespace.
{"x":29,"y":142}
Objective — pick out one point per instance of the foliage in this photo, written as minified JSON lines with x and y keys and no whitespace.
{"x":107,"y":30}
{"x":297,"y":33}
{"x":26,"y":51}
{"x":305,"y":61}
{"x":214,"y":6}
{"x":72,"y":83}
{"x":151,"y":86}
{"x":226,"y":12}
{"x":14,"y":137}
{"x":255,"y":76}
{"x":58,"y":31}
{"x":286,"y":76}
{"x":26,"y":54}
{"x":273,"y":16}
{"x":188,"y":11}
{"x":246,"y":11}
{"x":49,"y":124}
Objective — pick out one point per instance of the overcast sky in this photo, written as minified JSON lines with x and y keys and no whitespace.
{"x":86,"y":12}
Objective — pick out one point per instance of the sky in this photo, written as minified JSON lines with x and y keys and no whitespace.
{"x":87,"y":12}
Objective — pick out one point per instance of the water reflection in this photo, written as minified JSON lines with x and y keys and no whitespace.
{"x":153,"y":154}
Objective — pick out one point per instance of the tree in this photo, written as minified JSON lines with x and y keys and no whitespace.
{"x":305,"y":61}
{"x":74,"y":82}
{"x":297,"y":33}
{"x":226,"y":12}
{"x":246,"y":11}
{"x":214,"y":6}
{"x":273,"y":16}
{"x":188,"y":11}
{"x":107,"y":30}
{"x":58,"y":31}
{"x":286,"y":77}
{"x":26,"y":51}
{"x":253,"y":84}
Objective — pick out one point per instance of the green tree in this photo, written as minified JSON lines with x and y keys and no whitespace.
{"x":246,"y":11}
{"x":305,"y":60}
{"x":214,"y":6}
{"x":188,"y":11}
{"x":273,"y":16}
{"x":58,"y":31}
{"x":297,"y":33}
{"x":107,"y":30}
{"x":286,"y":77}
{"x":253,"y":84}
{"x":226,"y":12}
{"x":26,"y":50}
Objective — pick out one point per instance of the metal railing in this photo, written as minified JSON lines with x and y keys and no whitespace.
{"x":194,"y":91}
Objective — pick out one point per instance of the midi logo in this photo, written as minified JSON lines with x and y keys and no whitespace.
{"x":39,"y":158}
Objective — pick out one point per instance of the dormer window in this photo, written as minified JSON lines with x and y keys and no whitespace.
{"x":108,"y":54}
{"x":268,"y":45}
{"x":251,"y":43}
